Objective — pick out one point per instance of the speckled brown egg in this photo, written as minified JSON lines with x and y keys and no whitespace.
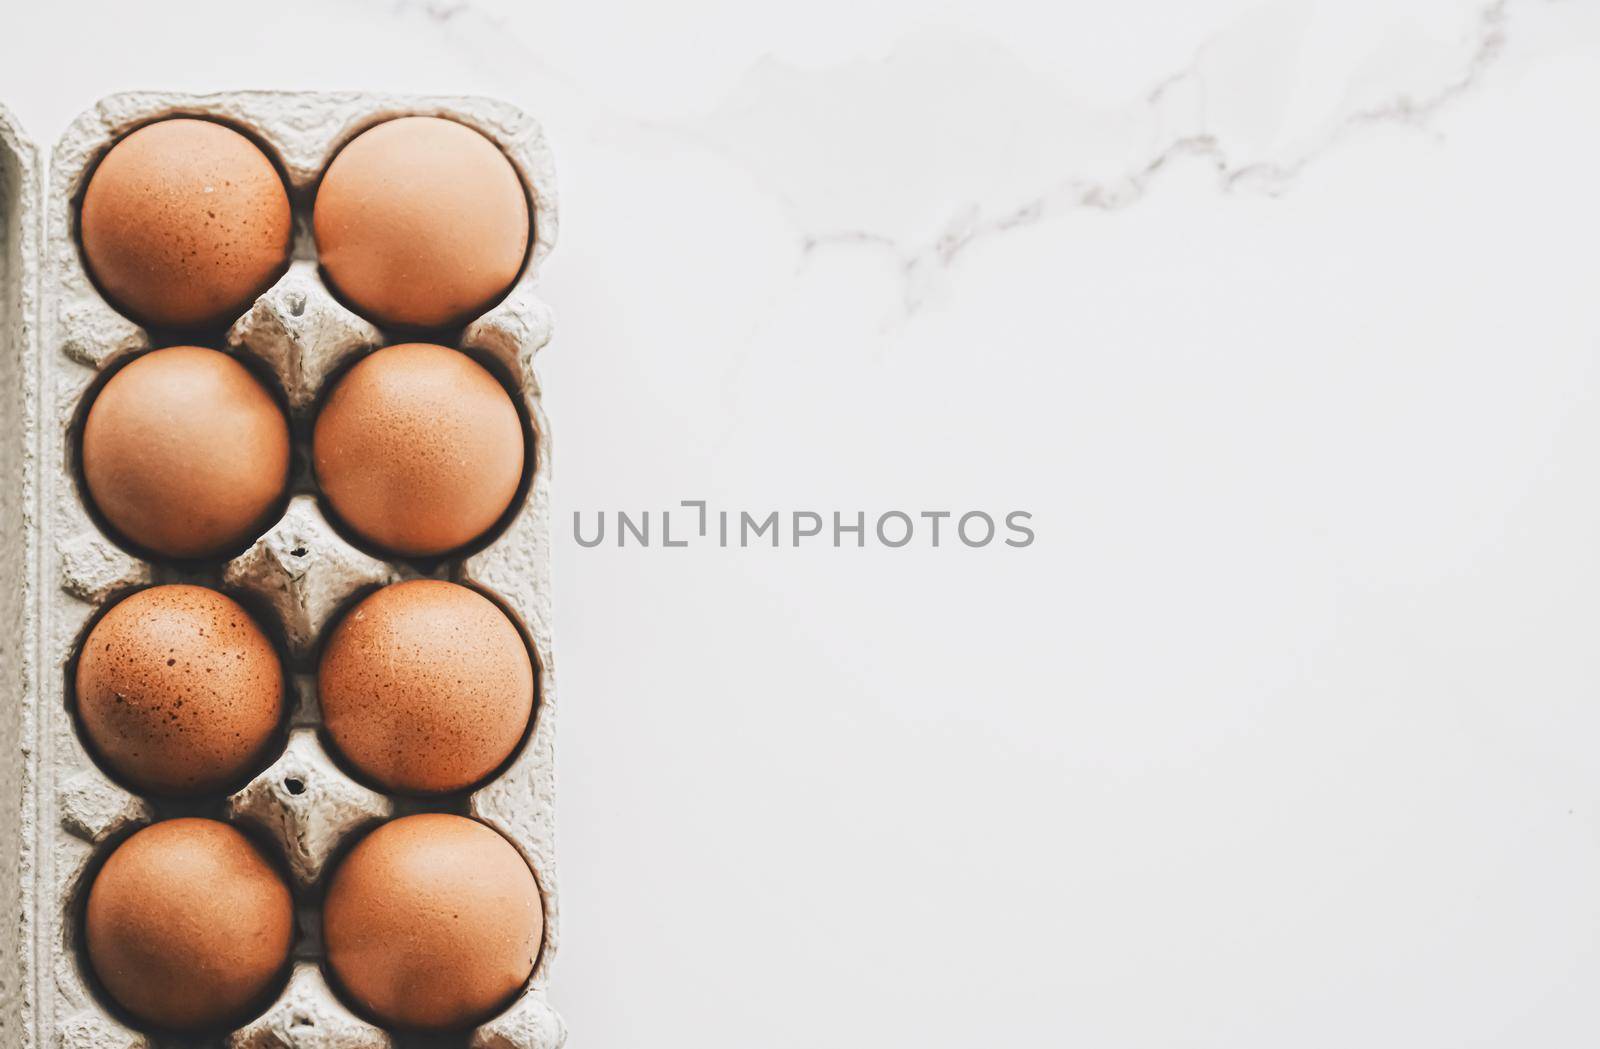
{"x":178,"y":691}
{"x":421,"y":223}
{"x":188,"y":925}
{"x":185,"y":453}
{"x":432,"y":922}
{"x":426,"y":687}
{"x":418,"y":449}
{"x":184,"y":223}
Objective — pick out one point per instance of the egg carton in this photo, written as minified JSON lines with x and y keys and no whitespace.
{"x":63,"y":813}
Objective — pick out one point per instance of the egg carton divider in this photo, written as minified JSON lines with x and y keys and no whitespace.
{"x":59,"y":336}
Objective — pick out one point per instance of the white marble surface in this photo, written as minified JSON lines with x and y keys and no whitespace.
{"x":1283,"y":319}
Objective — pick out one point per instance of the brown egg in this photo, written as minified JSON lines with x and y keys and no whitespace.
{"x":184,"y":223}
{"x":421,"y":223}
{"x":426,"y":687}
{"x":178,"y":691}
{"x":186,"y":453}
{"x":432,"y":922}
{"x":188,"y":925}
{"x":418,"y":449}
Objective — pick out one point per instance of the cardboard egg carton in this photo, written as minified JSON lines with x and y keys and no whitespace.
{"x":62,"y":814}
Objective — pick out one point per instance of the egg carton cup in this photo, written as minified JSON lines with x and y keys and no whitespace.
{"x":60,"y":338}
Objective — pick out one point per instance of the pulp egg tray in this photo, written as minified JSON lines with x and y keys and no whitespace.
{"x":61,"y":813}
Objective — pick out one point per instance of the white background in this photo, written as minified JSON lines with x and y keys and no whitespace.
{"x":1282,"y":318}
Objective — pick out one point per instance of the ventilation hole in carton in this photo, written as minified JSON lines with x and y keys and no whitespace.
{"x":298,"y":551}
{"x":300,"y":1022}
{"x":294,"y":786}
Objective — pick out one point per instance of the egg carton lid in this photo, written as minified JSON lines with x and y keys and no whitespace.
{"x":21,"y":207}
